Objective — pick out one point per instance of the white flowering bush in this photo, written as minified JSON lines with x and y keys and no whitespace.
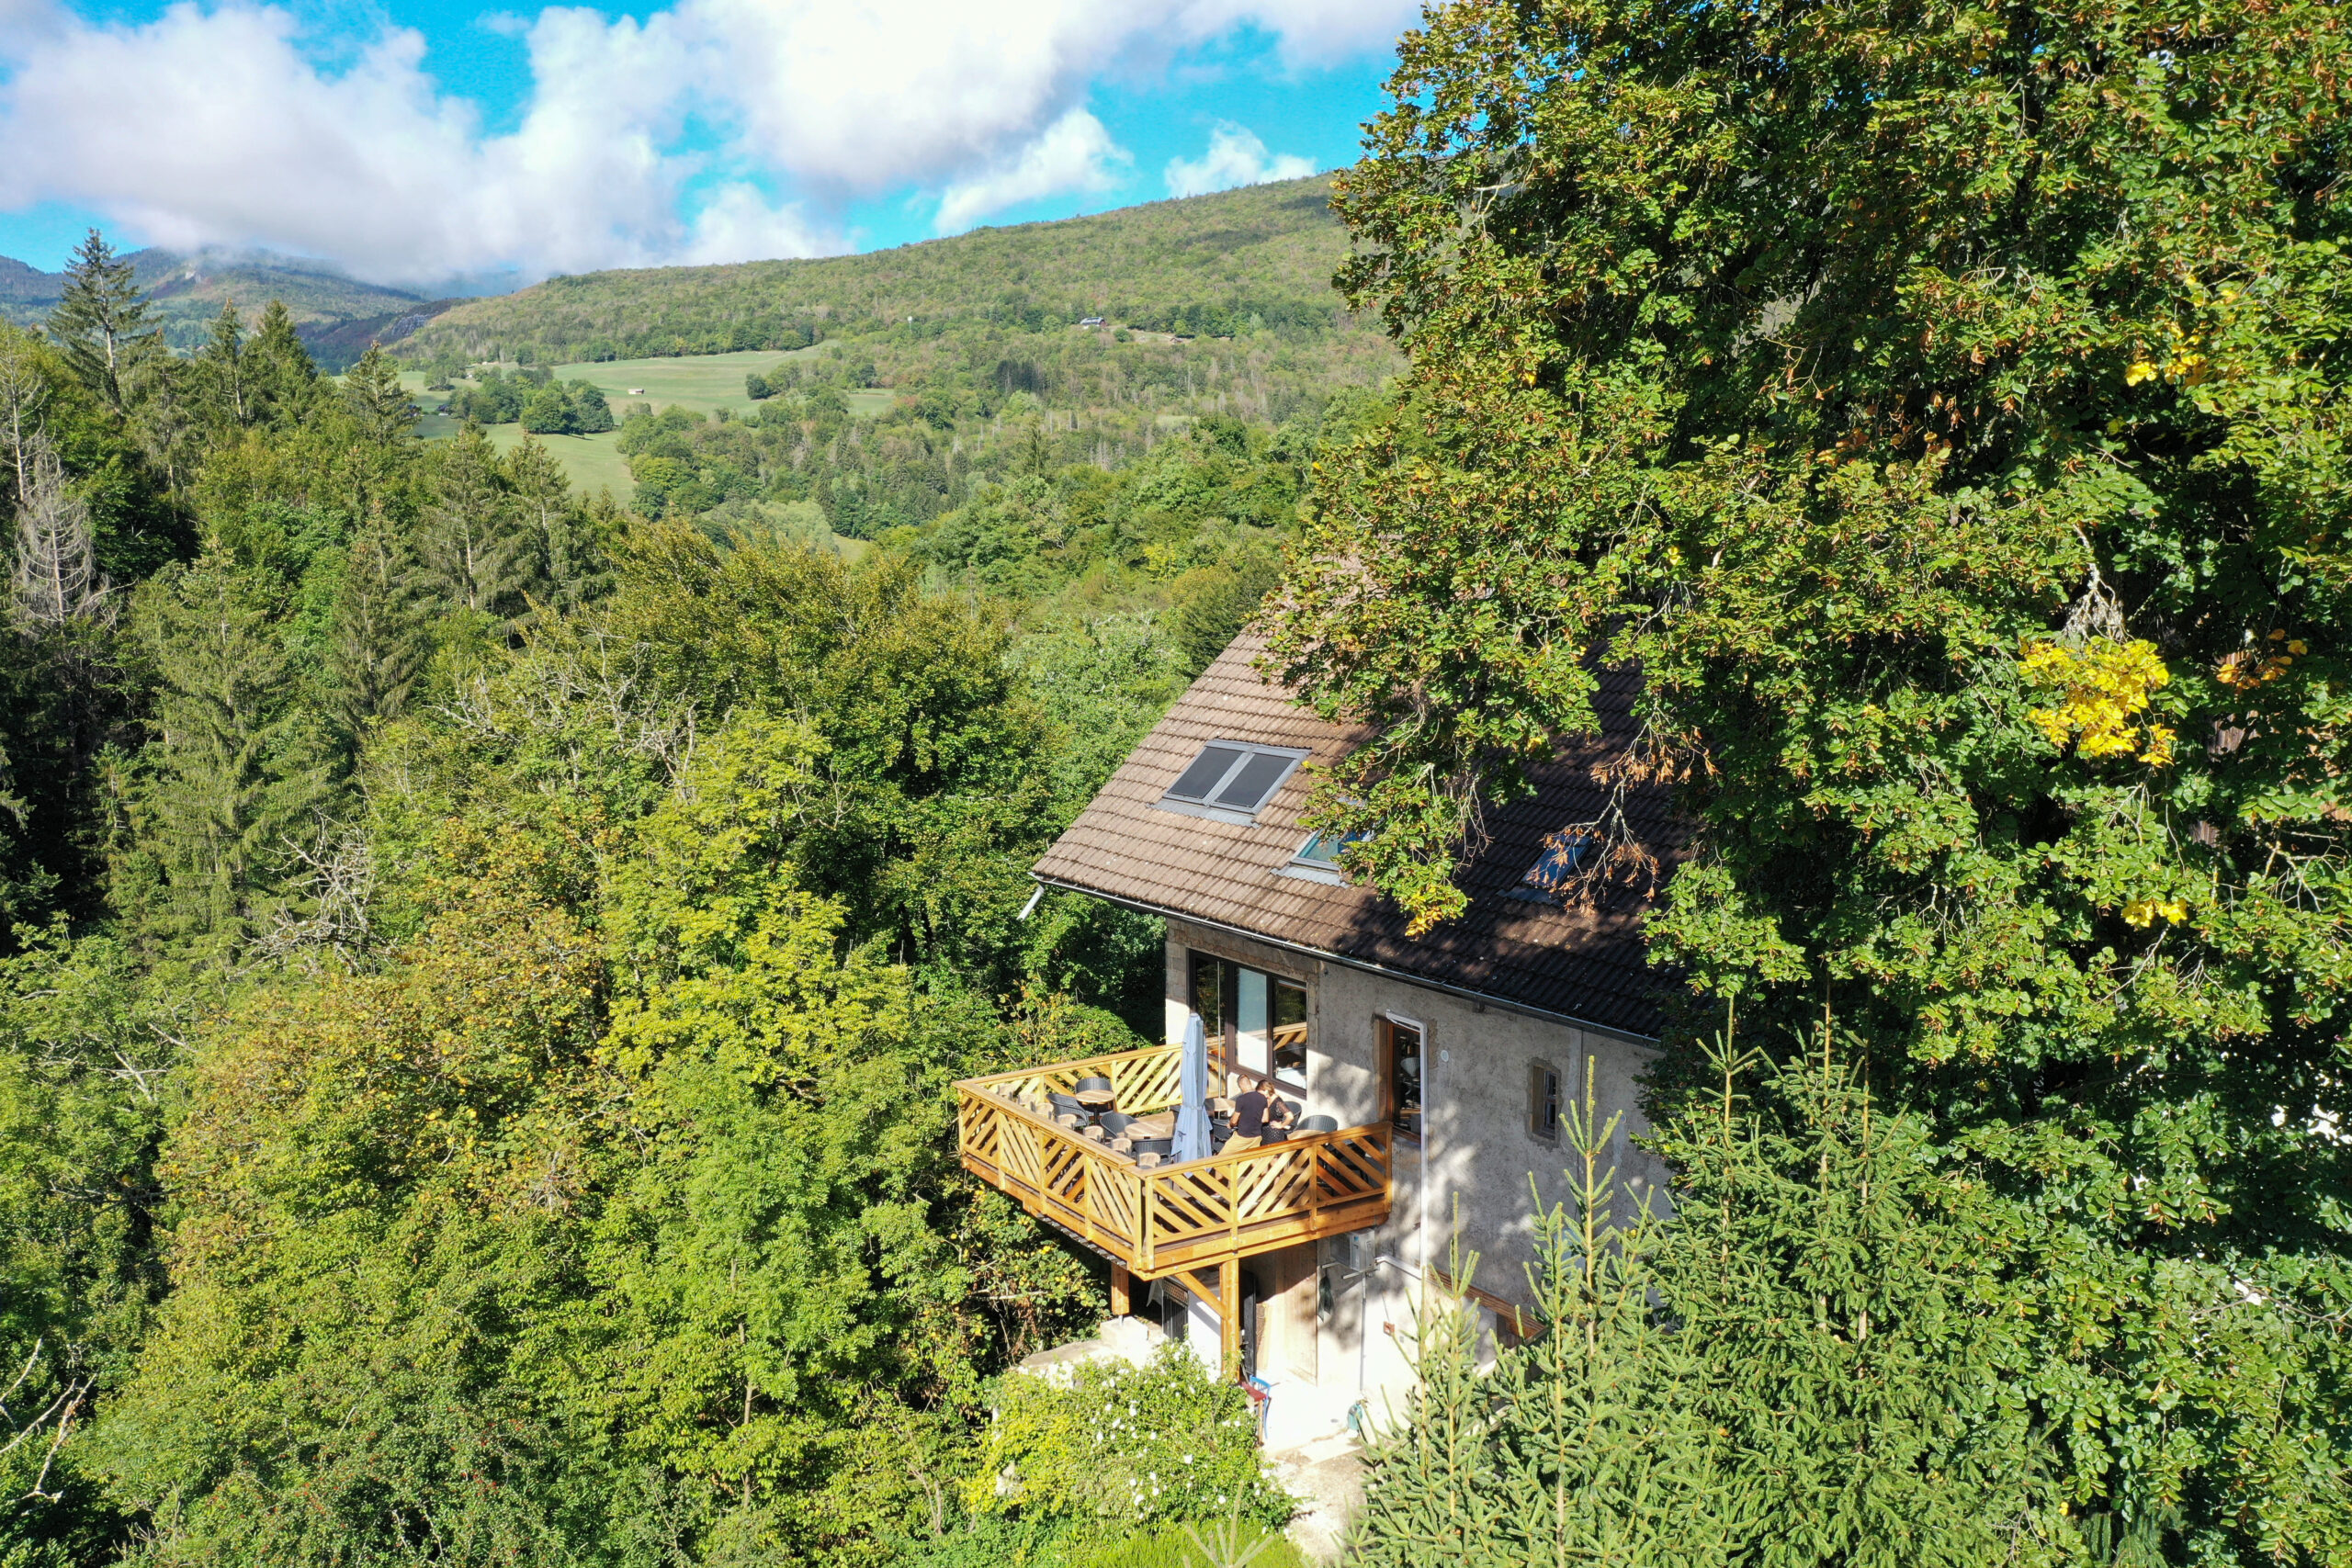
{"x":1125,"y":1444}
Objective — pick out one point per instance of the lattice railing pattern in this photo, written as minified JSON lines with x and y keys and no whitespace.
{"x":1182,"y":1216}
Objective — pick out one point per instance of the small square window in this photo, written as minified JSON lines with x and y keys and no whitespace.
{"x":1318,"y":860}
{"x":1231,"y":781}
{"x":1544,"y":1101}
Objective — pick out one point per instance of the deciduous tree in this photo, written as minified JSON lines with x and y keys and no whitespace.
{"x":1942,"y":409}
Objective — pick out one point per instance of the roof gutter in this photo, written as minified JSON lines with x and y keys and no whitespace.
{"x":1483,"y":998}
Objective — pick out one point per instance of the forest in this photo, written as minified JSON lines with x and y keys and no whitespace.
{"x":482,"y":970}
{"x":482,"y":966}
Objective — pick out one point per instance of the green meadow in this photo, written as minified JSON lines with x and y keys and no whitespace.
{"x":703,"y":384}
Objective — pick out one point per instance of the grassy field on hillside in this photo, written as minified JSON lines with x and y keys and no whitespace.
{"x":701,"y":384}
{"x":1258,"y":256}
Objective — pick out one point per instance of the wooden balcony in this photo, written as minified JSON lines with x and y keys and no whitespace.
{"x":1172,"y":1219}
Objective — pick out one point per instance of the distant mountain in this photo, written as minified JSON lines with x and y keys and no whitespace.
{"x":24,"y":286}
{"x":337,"y":315}
{"x":1205,"y":266}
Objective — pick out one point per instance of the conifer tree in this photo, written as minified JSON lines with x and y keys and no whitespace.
{"x":284,"y":378}
{"x":565,"y":535}
{"x":472,"y":544}
{"x":1834,"y":1283}
{"x":102,"y":320}
{"x":1433,"y":1488}
{"x":234,"y":776}
{"x":55,"y":580}
{"x":1587,"y":1444}
{"x":23,"y":392}
{"x":382,"y":408}
{"x":223,"y":364}
{"x":380,"y":642}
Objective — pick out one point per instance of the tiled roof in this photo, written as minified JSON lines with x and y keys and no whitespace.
{"x":1585,"y":963}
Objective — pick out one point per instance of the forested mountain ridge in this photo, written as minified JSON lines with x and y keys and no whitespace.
{"x":1262,"y":255}
{"x":337,"y":315}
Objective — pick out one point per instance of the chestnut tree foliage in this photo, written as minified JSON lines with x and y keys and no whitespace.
{"x":1944,"y":404}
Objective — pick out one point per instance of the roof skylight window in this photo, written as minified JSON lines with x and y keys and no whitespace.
{"x":1545,"y":880}
{"x":1318,"y":860}
{"x":1231,"y":781}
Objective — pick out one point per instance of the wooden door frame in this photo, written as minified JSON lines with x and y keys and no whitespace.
{"x":1383,"y":1036}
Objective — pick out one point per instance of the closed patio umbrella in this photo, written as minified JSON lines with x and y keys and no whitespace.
{"x":1192,"y":1108}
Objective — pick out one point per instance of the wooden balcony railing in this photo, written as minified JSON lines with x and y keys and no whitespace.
{"x":1173,"y":1217}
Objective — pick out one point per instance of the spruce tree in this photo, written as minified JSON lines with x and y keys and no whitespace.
{"x":380,"y":642}
{"x":55,"y":581}
{"x":381,"y":406}
{"x":234,"y":775}
{"x":565,"y":535}
{"x":284,"y":378}
{"x":1836,"y":1284}
{"x":24,"y":391}
{"x":472,"y":545}
{"x":1433,"y":1486}
{"x":102,"y":321}
{"x":1590,"y":1443}
{"x":222,"y":365}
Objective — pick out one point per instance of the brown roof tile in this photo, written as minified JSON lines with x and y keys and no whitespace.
{"x":1583,"y":962}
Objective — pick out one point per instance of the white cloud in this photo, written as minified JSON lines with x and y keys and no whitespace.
{"x":1235,"y":157}
{"x":1074,"y":153}
{"x":641,"y":140}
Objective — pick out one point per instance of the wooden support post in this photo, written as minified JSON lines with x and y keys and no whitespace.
{"x":1120,"y":1289}
{"x":1228,"y":1315}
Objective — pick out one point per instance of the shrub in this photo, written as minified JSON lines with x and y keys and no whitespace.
{"x":1123,"y":1444}
{"x":1174,"y":1547}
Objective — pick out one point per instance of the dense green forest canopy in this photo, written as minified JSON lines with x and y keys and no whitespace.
{"x":480,"y":968}
{"x":1946,"y":407}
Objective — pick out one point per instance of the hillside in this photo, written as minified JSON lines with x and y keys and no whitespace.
{"x":337,"y":315}
{"x":1262,"y":256}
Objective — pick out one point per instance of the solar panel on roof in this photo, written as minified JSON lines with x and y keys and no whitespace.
{"x":1230,"y":780}
{"x":1212,"y":764}
{"x":1254,"y":780}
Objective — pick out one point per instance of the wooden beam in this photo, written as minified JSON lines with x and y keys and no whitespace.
{"x":1120,"y":1289}
{"x":1228,"y":1315}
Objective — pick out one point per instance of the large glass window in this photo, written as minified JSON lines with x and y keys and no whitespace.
{"x":1252,"y":1020}
{"x":1289,"y":1034}
{"x":1257,"y":1021}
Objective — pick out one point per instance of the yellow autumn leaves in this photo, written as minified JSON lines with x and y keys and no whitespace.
{"x":2101,"y":690}
{"x":2182,"y":358}
{"x":2143,"y":911}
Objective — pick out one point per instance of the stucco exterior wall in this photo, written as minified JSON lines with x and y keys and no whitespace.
{"x":1482,"y":1170}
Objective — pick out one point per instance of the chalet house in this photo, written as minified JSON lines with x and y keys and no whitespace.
{"x":1436,"y":1069}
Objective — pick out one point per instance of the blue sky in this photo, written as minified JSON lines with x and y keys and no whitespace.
{"x":418,"y":141}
